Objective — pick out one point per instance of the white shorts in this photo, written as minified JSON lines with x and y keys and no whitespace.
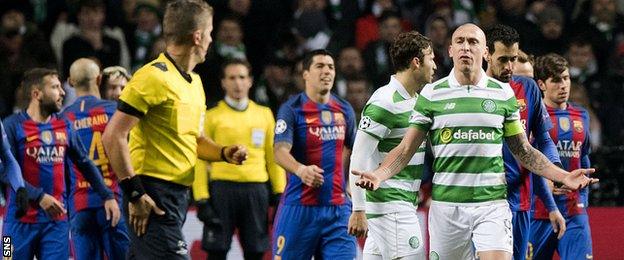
{"x":454,"y":230}
{"x":395,"y":235}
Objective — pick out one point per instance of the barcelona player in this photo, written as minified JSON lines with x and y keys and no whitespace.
{"x":571,"y":134}
{"x":93,"y":235}
{"x":503,"y":49}
{"x":314,"y":132}
{"x":42,"y":143}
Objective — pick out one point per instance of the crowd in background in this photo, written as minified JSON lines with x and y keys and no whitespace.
{"x":273,"y":35}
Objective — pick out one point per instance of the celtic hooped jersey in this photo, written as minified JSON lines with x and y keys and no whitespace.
{"x":467,"y":124}
{"x":386,"y":118}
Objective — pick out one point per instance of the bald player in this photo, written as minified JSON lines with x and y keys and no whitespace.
{"x":466,"y":116}
{"x":94,"y":231}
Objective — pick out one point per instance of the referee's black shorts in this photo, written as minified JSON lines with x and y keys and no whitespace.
{"x":239,"y":205}
{"x":163,"y":239}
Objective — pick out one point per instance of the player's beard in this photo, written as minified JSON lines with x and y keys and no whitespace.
{"x":49,"y":106}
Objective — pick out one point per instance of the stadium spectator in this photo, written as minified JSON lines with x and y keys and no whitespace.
{"x":376,"y":55}
{"x":551,"y":36}
{"x":91,"y":40}
{"x":360,"y":90}
{"x":275,"y":86}
{"x":437,"y":29}
{"x":143,"y":33}
{"x":349,"y":64}
{"x":22,"y":47}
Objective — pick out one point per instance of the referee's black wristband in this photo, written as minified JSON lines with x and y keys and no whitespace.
{"x":132,"y":188}
{"x":223,"y":154}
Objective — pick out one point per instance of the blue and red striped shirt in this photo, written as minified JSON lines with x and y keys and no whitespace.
{"x":89,"y":116}
{"x":571,"y":136}
{"x":536,"y":123}
{"x":42,"y":149}
{"x":318,"y":134}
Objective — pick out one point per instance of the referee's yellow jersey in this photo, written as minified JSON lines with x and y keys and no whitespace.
{"x":164,"y":142}
{"x":252,"y":128}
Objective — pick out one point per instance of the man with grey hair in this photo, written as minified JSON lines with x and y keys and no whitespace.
{"x":91,"y":231}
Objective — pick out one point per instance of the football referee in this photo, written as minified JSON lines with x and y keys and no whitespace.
{"x":162,"y":109}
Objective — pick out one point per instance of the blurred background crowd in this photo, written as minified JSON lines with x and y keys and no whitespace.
{"x":273,"y":34}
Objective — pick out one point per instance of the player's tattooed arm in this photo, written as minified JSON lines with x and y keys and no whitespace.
{"x":529,"y":157}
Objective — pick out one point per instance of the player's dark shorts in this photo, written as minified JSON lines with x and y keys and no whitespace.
{"x":92,"y":234}
{"x":239,"y":205}
{"x":576,"y":242}
{"x":301,"y":232}
{"x":48,"y":240}
{"x":520,"y":222}
{"x":163,"y":239}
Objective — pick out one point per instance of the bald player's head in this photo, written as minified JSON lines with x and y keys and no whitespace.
{"x":468,"y":48}
{"x":84,"y":74}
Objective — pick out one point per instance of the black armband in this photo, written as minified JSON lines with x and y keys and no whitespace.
{"x":223,"y":154}
{"x":132,"y":188}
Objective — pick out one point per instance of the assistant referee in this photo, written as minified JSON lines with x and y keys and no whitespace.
{"x":162,"y":110}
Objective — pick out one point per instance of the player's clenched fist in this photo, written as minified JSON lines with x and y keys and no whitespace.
{"x":235,"y":154}
{"x":310,"y":175}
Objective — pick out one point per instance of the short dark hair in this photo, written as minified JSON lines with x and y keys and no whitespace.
{"x":406,"y":46}
{"x":307,"y":59}
{"x":235,"y":61}
{"x":549,"y":66}
{"x":501,"y":33}
{"x":388,"y":14}
{"x":182,"y":17}
{"x":91,"y":4}
{"x":34,"y":78}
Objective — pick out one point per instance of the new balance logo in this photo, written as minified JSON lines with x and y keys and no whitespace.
{"x":449,"y":106}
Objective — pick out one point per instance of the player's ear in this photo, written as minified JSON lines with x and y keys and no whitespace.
{"x":98,"y":80}
{"x":415,"y":63}
{"x":197,"y":37}
{"x":541,"y":84}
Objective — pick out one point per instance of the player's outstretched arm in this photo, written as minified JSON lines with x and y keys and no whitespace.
{"x":310,"y":175}
{"x":536,"y":162}
{"x":396,"y":160}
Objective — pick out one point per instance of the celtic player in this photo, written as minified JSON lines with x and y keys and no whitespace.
{"x":469,"y":209}
{"x":391,"y":210}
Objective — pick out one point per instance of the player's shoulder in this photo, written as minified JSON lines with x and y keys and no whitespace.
{"x":294,"y":101}
{"x":525,"y":81}
{"x":493,"y":83}
{"x":156,"y":70}
{"x":382,"y":95}
{"x":344,"y":104}
{"x":429,"y":89}
{"x":13,"y":119}
{"x":261,"y":108}
{"x":572,"y":106}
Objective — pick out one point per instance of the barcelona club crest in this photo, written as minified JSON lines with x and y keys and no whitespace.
{"x":326,"y":117}
{"x":564,"y":124}
{"x":578,"y":125}
{"x":46,"y":137}
{"x":521,"y":105}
